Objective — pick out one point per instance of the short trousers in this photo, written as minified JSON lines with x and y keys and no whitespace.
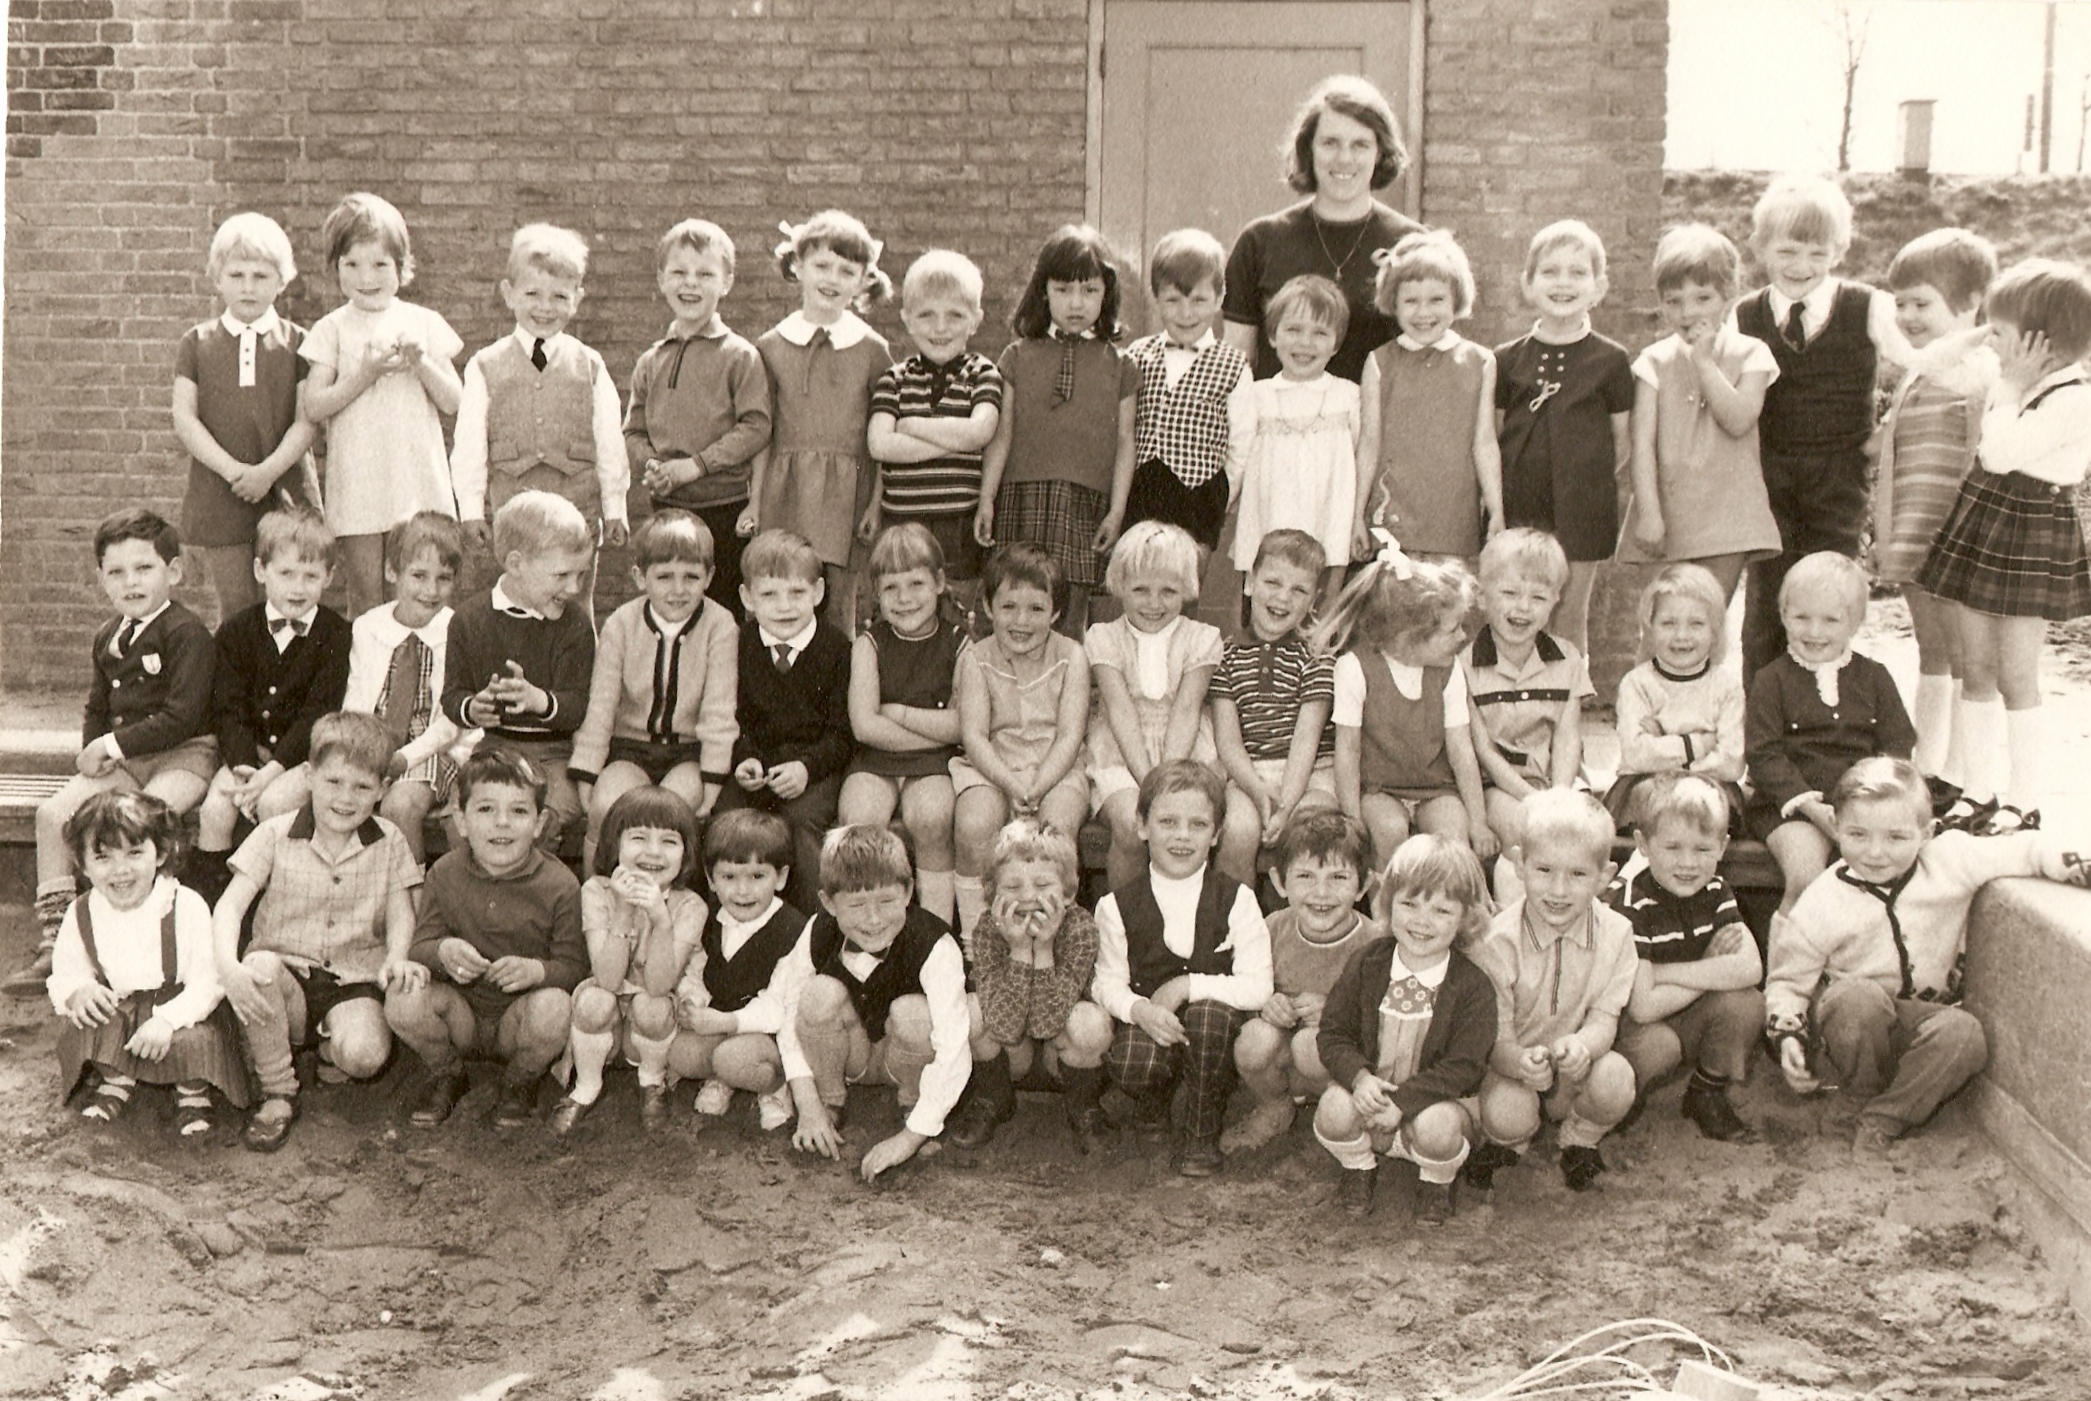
{"x":323,"y":993}
{"x":196,"y":755}
{"x":654,"y":759}
{"x":1320,"y":779}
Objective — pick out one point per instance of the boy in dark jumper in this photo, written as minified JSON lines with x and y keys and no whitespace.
{"x":1183,"y":960}
{"x":793,"y":703}
{"x":521,"y":658}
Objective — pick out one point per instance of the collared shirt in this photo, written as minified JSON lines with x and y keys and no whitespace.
{"x":764,"y":1013}
{"x":1177,"y":359}
{"x":1269,"y":683}
{"x":1554,"y":983}
{"x":796,"y":644}
{"x":849,"y":328}
{"x":135,"y":628}
{"x":1522,"y":704}
{"x":127,"y":944}
{"x":299,"y":626}
{"x":1248,"y":938}
{"x":1881,"y":329}
{"x":1669,"y":927}
{"x":375,"y":636}
{"x":2046,"y":435}
{"x":468,"y":452}
{"x":503,"y":603}
{"x":326,"y":910}
{"x":533,"y":911}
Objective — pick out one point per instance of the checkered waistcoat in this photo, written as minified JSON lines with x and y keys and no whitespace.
{"x":1185,"y":428}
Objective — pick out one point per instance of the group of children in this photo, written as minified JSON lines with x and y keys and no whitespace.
{"x":812,"y":860}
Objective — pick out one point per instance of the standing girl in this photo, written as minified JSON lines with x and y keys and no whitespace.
{"x":1681,"y":709}
{"x":1023,"y":707}
{"x":642,"y":923}
{"x":823,"y":360}
{"x":2012,"y":553}
{"x":1152,"y":666}
{"x":900,"y":682}
{"x":1297,"y":433}
{"x":133,"y":973}
{"x":1564,"y":406}
{"x":1404,"y":741}
{"x":1428,"y":465}
{"x":380,"y":375}
{"x":1061,"y":462}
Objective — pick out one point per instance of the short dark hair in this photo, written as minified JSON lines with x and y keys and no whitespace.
{"x":1323,"y":834}
{"x":748,"y":835}
{"x":1187,"y":259}
{"x":137,"y":523}
{"x":1361,"y":101}
{"x":2049,"y":298}
{"x":1183,"y":776}
{"x":497,"y":766}
{"x":648,"y":806}
{"x":1023,"y":562}
{"x":1960,"y":264}
{"x":125,"y":818}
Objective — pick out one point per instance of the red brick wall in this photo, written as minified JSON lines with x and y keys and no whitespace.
{"x":136,"y":125}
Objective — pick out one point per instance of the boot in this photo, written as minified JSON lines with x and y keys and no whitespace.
{"x":990,"y":1103}
{"x":29,"y":980}
{"x":1085,"y":1112}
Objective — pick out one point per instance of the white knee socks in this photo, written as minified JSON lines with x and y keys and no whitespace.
{"x":591,"y":1052}
{"x":652,"y":1056}
{"x":1354,"y":1153}
{"x":934,"y":890}
{"x":972,"y":904}
{"x":1934,"y":722}
{"x":2027,"y":731}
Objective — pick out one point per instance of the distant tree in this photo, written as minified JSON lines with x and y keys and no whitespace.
{"x":1849,"y":21}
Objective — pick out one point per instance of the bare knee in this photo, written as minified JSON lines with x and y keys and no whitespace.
{"x":544,"y":1016}
{"x":824,"y":1004}
{"x":1087,"y":1035}
{"x":652,"y":1017}
{"x":1336,"y":1117}
{"x":1611,"y":1086}
{"x":1306,"y":1057}
{"x":358,"y":1040}
{"x":1439,"y":1131}
{"x":1509,"y":1111}
{"x":594,"y":1010}
{"x":907,"y":1024}
{"x":1257,"y":1047}
{"x":748,"y":1062}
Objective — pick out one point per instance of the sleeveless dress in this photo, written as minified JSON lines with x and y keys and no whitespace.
{"x":916,"y":672}
{"x":1927,"y":451}
{"x":1425,"y":490}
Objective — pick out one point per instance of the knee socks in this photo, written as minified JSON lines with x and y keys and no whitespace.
{"x":1355,"y":1154}
{"x":972,"y":904}
{"x":652,"y":1056}
{"x":591,"y":1052}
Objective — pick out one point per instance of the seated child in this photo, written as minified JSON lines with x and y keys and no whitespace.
{"x":729,"y":1007}
{"x":132,"y":974}
{"x":660,"y":705}
{"x":1867,"y":968}
{"x":1528,"y":686}
{"x":534,"y":650}
{"x":1271,"y":697}
{"x":332,"y":890}
{"x":1813,"y":712}
{"x":900,"y":709}
{"x":282,"y":664}
{"x":641,"y":923}
{"x":500,"y":932}
{"x":148,"y":711}
{"x":1563,"y":964}
{"x":1404,"y":730}
{"x":792,"y":702}
{"x":1152,"y":666}
{"x":1695,"y":993}
{"x":934,"y":413}
{"x":1408,"y":1030}
{"x":1183,"y":960}
{"x":1320,"y":870}
{"x":876,"y":991}
{"x":1681,"y":709}
{"x":1022,"y":697}
{"x":1033,"y":956}
{"x":397,"y":653}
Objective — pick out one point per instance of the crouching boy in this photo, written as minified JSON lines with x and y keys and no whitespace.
{"x":1563,"y":965}
{"x":500,"y":933}
{"x":877,"y":992}
{"x":1407,"y":1032}
{"x":1870,"y":958}
{"x":1183,"y":960}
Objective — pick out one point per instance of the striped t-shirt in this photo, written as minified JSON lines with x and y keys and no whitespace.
{"x":917,"y":388}
{"x":1668,"y":927}
{"x":1269,"y":683}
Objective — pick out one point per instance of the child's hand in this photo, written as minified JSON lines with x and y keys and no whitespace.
{"x":1698,"y":334}
{"x":2023,"y":358}
{"x":1793,"y":1066}
{"x":249,"y":483}
{"x":1158,"y":1022}
{"x":1571,"y":1057}
{"x":91,"y":1006}
{"x":868,"y":526}
{"x":1728,"y":939}
{"x":483,"y":710}
{"x":1279,"y":1012}
{"x":151,"y":1041}
{"x":1822,"y":815}
{"x":243,"y":990}
{"x":1374,"y":1100}
{"x":815,"y":1130}
{"x":889,"y":1153}
{"x":787,"y":780}
{"x":381,"y":358}
{"x":402,"y":975}
{"x":1482,"y":837}
{"x":515,"y":692}
{"x":1535,"y":1066}
{"x":635,"y":887}
{"x":1107,"y":533}
{"x":1274,"y":822}
{"x":95,"y":760}
{"x":748,"y":523}
{"x":410,"y":351}
{"x":1174,"y":993}
{"x":750,"y":774}
{"x":616,"y":534}
{"x":1307,"y":1007}
{"x":664,"y":476}
{"x":462,"y":962}
{"x":984,"y":524}
{"x":2075,"y":869}
{"x":1648,"y":526}
{"x":479,"y":536}
{"x":513,"y":973}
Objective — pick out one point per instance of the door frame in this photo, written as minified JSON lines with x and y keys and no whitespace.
{"x":1410,"y":184}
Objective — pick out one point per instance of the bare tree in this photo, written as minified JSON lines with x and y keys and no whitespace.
{"x":1849,"y":22}
{"x":2083,"y":121}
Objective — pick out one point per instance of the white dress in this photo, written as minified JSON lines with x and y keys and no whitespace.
{"x":1298,"y":442}
{"x":385,"y":455}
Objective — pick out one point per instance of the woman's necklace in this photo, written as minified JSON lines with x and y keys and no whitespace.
{"x":1355,"y":239}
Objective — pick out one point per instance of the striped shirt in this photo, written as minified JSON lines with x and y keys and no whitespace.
{"x":1269,"y":684}
{"x":919,"y":388}
{"x":1668,"y":927}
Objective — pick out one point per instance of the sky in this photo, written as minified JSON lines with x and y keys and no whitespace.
{"x":1758,"y":85}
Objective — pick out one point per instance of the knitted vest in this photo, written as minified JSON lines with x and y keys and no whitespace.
{"x":1185,"y":428}
{"x":1404,"y":740}
{"x":1822,"y":400}
{"x":898,"y":974}
{"x":734,"y":983}
{"x":540,"y":425}
{"x":1151,"y":962}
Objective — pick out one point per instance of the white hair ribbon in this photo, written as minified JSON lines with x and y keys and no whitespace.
{"x":1390,"y":555}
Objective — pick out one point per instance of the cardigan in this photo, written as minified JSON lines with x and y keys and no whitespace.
{"x":1456,"y":1046}
{"x":1796,"y":745}
{"x":801,"y":714}
{"x":557,"y":654}
{"x":157,"y":694}
{"x":655,"y":689}
{"x":265,"y":699}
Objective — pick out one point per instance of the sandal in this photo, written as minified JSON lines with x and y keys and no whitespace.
{"x":1967,"y":815}
{"x":2007,"y":819}
{"x":107,"y":1104}
{"x":192,"y":1112}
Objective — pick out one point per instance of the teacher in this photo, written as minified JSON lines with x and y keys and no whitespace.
{"x":1346,"y":144}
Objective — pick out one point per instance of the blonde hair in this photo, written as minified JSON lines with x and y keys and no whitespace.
{"x":1805,"y":208}
{"x":1388,"y":605}
{"x":1028,"y":839}
{"x":1150,"y":548}
{"x":1432,"y":865}
{"x":697,"y":235}
{"x":780,"y":554}
{"x":1567,"y":816}
{"x":1320,"y":298}
{"x":942,"y":273}
{"x":1524,"y":553}
{"x":908,"y":545}
{"x":1695,"y":584}
{"x":1832,"y":573}
{"x":251,"y":235}
{"x":1565,"y":233}
{"x":865,"y":856}
{"x":1682,"y":797}
{"x":1883,"y":778}
{"x":1428,"y":255}
{"x":845,"y":236}
{"x":548,"y":248}
{"x":535,"y":522}
{"x":297,"y":530}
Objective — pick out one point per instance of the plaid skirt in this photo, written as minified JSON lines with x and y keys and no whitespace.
{"x":1061,"y":518}
{"x":2013,"y":548}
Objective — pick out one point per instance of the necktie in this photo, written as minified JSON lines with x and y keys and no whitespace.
{"x":402,"y":703}
{"x":126,"y":635}
{"x":781,"y":651}
{"x":537,"y":354}
{"x":1796,"y":329}
{"x":1064,"y":375}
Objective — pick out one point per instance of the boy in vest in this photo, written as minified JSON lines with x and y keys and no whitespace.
{"x":1829,"y":337}
{"x":540,"y":411}
{"x":1187,"y":377}
{"x":1183,"y":960}
{"x":876,"y":991}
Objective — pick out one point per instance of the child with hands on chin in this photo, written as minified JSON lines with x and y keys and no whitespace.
{"x":1407,"y":1032}
{"x":876,"y":991}
{"x":1322,"y":861}
{"x":1033,"y":957}
{"x":332,"y":890}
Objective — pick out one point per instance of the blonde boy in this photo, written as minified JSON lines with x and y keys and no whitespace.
{"x":1563,"y":965}
{"x":539,"y":410}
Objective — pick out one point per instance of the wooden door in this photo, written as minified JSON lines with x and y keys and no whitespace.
{"x":1191,"y":101}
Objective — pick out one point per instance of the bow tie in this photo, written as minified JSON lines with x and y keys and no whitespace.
{"x":300,"y":626}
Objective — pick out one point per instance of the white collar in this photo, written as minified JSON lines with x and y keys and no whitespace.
{"x":848,"y":329}
{"x":433,"y":632}
{"x":730,"y":926}
{"x":1408,"y":677}
{"x":261,"y":325}
{"x":528,"y":339}
{"x":1151,"y":657}
{"x":1582,"y":334}
{"x":665,"y":628}
{"x":146,"y":621}
{"x":2068,"y":374}
{"x":1193,"y":348}
{"x":1825,"y":673}
{"x":271,"y":612}
{"x":1444,"y":341}
{"x":798,"y":641}
{"x":1815,"y":307}
{"x":504,"y":604}
{"x":1428,"y":977}
{"x":1158,"y":883}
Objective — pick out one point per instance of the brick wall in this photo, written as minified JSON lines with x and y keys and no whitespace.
{"x":136,"y":125}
